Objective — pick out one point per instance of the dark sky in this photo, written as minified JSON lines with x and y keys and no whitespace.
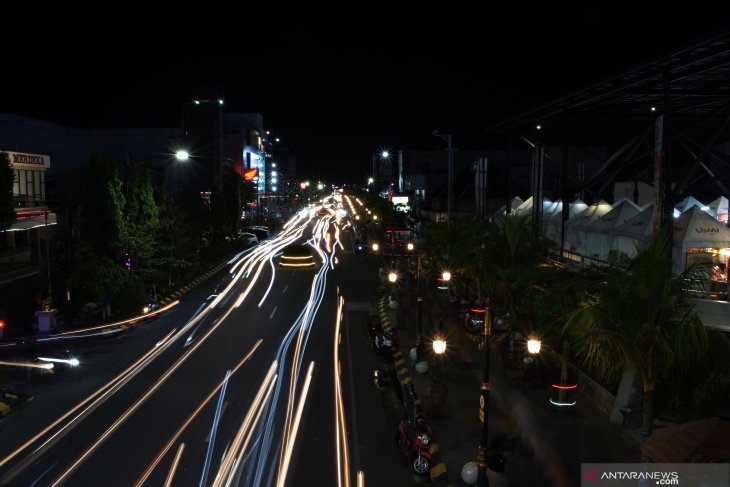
{"x":335,"y":84}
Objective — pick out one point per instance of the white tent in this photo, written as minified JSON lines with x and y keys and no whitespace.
{"x":695,"y":229}
{"x":516,"y":201}
{"x":575,"y":228}
{"x":553,"y":223}
{"x":598,"y":238}
{"x":636,"y":231}
{"x":719,"y":209}
{"x":688,"y":203}
{"x":526,"y":207}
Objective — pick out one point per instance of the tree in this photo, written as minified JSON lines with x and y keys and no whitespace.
{"x":142,"y":222}
{"x":508,"y":258}
{"x":641,"y":319}
{"x":7,"y":206}
{"x":101,"y":224}
{"x":101,"y":234}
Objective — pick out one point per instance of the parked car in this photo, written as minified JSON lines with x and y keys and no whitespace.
{"x":261,"y":232}
{"x":248,"y":238}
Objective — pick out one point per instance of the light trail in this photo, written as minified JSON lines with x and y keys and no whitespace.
{"x":343,"y":457}
{"x":225,"y":469}
{"x":29,"y":365}
{"x":74,"y":362}
{"x":271,"y":282}
{"x":190,"y":419}
{"x":171,"y":473}
{"x":118,"y":323}
{"x":151,"y":390}
{"x":297,"y":418}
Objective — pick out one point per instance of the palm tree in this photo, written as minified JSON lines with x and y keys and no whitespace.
{"x":641,"y":319}
{"x":510,"y":253}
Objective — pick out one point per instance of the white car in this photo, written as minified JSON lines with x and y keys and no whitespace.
{"x":248,"y":238}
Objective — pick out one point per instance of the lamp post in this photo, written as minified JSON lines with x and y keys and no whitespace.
{"x":484,"y":401}
{"x":219,"y":103}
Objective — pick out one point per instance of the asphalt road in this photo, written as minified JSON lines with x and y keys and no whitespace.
{"x":150,"y":404}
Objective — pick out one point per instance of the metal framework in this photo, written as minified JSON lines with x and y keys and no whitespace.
{"x":688,"y":88}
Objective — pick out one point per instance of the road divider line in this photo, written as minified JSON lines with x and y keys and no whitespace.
{"x":285,"y":288}
{"x":272,"y":313}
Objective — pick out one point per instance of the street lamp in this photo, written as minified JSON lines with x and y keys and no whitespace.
{"x":410,"y":246}
{"x":484,"y":401}
{"x":376,"y":247}
{"x":392,"y":277}
{"x":533,"y":345}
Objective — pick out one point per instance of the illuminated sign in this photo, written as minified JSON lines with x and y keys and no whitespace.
{"x":251,"y":174}
{"x":19,"y":160}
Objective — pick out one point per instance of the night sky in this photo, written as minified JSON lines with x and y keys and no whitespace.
{"x":335,"y":85}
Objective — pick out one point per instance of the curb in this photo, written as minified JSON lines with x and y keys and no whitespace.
{"x":439,"y":474}
{"x":192,"y":284}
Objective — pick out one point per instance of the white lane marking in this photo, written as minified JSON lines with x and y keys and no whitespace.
{"x":272,"y":313}
{"x":285,"y":288}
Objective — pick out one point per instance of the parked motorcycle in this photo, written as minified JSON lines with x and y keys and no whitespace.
{"x":383,"y":345}
{"x":413,"y":440}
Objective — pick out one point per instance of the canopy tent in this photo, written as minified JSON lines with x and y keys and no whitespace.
{"x":516,"y":202}
{"x":697,"y":441}
{"x":575,"y":228}
{"x":526,"y":207}
{"x":598,"y":238}
{"x":719,"y":209}
{"x":695,"y":229}
{"x":634,"y":232}
{"x":553,"y":224}
{"x":688,"y":203}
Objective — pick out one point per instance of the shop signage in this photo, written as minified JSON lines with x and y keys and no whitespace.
{"x":20,"y":160}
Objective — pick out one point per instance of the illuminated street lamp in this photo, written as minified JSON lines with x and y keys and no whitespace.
{"x":371,"y":180}
{"x":533,"y":345}
{"x":446,"y":276}
{"x":376,"y":247}
{"x":439,"y":344}
{"x":410,"y":247}
{"x":182,"y":155}
{"x":392,"y":277}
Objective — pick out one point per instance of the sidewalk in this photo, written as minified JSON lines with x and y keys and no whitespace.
{"x":550,"y":444}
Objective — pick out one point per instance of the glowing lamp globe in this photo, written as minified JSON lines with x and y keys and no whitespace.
{"x":439,"y":345}
{"x":469,"y":473}
{"x":533,"y":345}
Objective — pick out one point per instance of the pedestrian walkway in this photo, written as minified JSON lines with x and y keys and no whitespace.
{"x":550,"y":444}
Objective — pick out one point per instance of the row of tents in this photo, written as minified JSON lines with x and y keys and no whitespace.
{"x":604,"y":231}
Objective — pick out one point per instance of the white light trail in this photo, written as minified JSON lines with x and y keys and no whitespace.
{"x":190,"y":419}
{"x":295,"y":428}
{"x":74,"y":362}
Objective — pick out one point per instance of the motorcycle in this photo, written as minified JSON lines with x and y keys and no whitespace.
{"x":383,"y":345}
{"x":413,"y":440}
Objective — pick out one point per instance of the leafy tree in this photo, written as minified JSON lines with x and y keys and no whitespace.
{"x":101,"y":224}
{"x":7,"y":207}
{"x":142,"y":222}
{"x":642,"y":319}
{"x":101,"y":233}
{"x":176,"y":239}
{"x":508,"y":259}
